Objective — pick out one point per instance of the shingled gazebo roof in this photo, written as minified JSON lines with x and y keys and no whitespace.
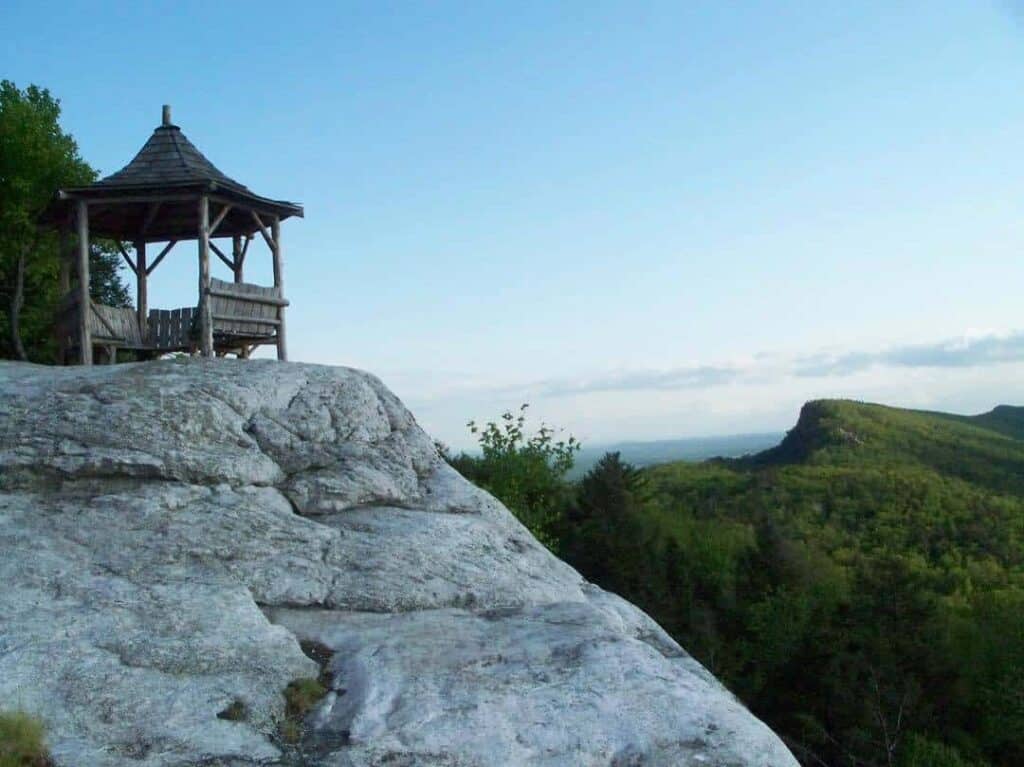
{"x":167,"y":158}
{"x":171,"y":171}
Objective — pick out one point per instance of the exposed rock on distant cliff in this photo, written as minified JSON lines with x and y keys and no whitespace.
{"x":172,"y":531}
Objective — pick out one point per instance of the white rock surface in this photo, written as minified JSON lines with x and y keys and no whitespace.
{"x":170,"y":531}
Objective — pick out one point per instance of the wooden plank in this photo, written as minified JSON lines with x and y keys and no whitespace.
{"x":241,"y":318}
{"x":189,"y":321}
{"x":103,"y":324}
{"x":258,"y":310}
{"x":272,"y":312}
{"x":84,"y":336}
{"x":205,"y":321}
{"x":222,"y":305}
{"x":171,"y":335}
{"x":170,"y":339}
{"x":157,"y":327}
{"x":256,"y":298}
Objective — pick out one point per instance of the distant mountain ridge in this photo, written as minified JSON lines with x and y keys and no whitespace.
{"x":1005,"y":419}
{"x":985,"y":449}
{"x":649,"y":453}
{"x":824,"y":428}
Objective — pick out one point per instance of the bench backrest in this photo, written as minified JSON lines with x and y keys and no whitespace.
{"x":244,"y":310}
{"x":118,"y":325}
{"x":115,"y":323}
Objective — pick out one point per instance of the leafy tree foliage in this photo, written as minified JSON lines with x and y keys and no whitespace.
{"x":36,"y":158}
{"x":526,"y":472}
{"x":601,"y":531}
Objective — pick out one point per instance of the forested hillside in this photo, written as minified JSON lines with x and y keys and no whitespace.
{"x":860,"y":586}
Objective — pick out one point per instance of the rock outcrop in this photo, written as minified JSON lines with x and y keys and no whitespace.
{"x":182,"y":539}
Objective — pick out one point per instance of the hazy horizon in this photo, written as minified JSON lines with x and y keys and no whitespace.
{"x":650,"y":222}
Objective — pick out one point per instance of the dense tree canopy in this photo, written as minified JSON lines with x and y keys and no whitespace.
{"x":37,"y":157}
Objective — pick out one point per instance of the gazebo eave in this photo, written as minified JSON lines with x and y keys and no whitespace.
{"x":150,"y":214}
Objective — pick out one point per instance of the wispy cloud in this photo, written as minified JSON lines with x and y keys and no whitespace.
{"x":693,"y":377}
{"x":966,"y":352}
{"x":978,"y":351}
{"x":763,"y":370}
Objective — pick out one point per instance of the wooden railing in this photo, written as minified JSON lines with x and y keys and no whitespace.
{"x":171,"y":330}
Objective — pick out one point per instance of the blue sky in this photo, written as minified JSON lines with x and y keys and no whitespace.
{"x":647,"y":219}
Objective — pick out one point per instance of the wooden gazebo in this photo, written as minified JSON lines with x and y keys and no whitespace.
{"x":168,"y":194}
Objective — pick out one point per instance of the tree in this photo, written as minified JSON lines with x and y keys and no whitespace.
{"x":37,"y":157}
{"x":526,"y":473}
{"x":605,"y":538}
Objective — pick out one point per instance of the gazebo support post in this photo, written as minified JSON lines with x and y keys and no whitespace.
{"x":66,"y":256}
{"x":236,"y":258}
{"x":84,"y":302}
{"x":275,"y":238}
{"x":141,"y":290}
{"x":205,"y":320}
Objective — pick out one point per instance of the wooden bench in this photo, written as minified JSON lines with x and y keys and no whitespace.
{"x":243,"y":316}
{"x":111,"y":327}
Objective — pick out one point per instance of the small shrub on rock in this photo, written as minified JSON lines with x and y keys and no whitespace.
{"x":299,"y":698}
{"x":526,"y":473}
{"x":21,"y":741}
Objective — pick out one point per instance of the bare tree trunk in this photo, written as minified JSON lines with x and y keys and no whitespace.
{"x":17,"y":301}
{"x":890,"y":735}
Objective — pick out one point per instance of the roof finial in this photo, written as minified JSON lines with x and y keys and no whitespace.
{"x":167,"y":115}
